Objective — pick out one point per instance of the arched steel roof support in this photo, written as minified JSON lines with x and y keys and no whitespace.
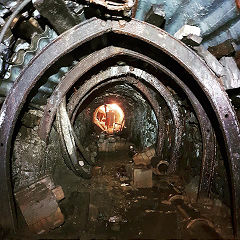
{"x":74,"y":105}
{"x":158,"y":38}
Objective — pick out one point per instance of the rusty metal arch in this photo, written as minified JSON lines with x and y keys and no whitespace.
{"x":72,"y":77}
{"x":208,"y":136}
{"x":141,"y":87}
{"x":209,"y":145}
{"x":73,"y":38}
{"x":68,"y":81}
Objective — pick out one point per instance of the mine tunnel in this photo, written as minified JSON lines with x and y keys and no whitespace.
{"x":119,"y":119}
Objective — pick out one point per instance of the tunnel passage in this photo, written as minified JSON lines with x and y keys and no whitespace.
{"x":138,"y":124}
{"x":109,"y":117}
{"x":172,"y":111}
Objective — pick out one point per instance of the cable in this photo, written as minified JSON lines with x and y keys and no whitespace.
{"x":14,"y":14}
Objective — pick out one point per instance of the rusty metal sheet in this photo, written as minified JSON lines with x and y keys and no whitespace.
{"x":75,"y":162}
{"x":73,"y":38}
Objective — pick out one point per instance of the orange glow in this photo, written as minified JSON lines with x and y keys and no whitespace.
{"x":109,"y":117}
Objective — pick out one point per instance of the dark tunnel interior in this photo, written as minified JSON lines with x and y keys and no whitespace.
{"x":119,"y":119}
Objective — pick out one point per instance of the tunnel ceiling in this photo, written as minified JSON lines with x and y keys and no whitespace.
{"x":172,"y":66}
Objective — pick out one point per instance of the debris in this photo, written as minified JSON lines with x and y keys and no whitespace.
{"x":57,"y":14}
{"x":162,"y":167}
{"x":192,"y":40}
{"x":124,"y":184}
{"x":38,"y":204}
{"x":115,"y":227}
{"x":210,"y":60}
{"x":231,"y":78}
{"x":129,"y":170}
{"x":191,"y":188}
{"x":121,"y":171}
{"x":142,"y":197}
{"x":111,"y":140}
{"x":114,"y":6}
{"x":187,"y":30}
{"x":203,"y":226}
{"x":115,"y":219}
{"x":156,"y":16}
{"x":78,"y":208}
{"x":166,"y":202}
{"x":223,"y":49}
{"x":97,"y":171}
{"x":144,"y":158}
{"x":123,"y":179}
{"x":149,"y":211}
{"x":93,"y":212}
{"x":142,"y":178}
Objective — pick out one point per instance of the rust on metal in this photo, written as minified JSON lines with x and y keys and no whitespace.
{"x":238,"y":3}
{"x":76,"y":101}
{"x":70,"y":79}
{"x":208,"y":136}
{"x":202,"y":76}
{"x":114,"y":5}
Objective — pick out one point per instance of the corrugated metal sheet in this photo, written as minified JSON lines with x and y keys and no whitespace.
{"x":218,"y":20}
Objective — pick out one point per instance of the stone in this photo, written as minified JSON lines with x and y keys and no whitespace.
{"x":211,"y":61}
{"x":192,"y":40}
{"x":223,"y":49}
{"x":144,"y":158}
{"x":142,"y":178}
{"x":231,"y":78}
{"x":39,"y":206}
{"x":187,"y":30}
{"x":58,"y":193}
{"x":156,"y":16}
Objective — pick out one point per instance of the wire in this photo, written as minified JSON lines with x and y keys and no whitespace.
{"x":18,"y":9}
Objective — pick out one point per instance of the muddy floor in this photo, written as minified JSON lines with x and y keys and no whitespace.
{"x":108,"y":206}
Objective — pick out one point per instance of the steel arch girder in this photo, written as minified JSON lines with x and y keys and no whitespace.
{"x":136,"y":29}
{"x":92,"y":60}
{"x":208,"y":136}
{"x":164,"y":92}
{"x":71,"y":78}
{"x":74,"y":104}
